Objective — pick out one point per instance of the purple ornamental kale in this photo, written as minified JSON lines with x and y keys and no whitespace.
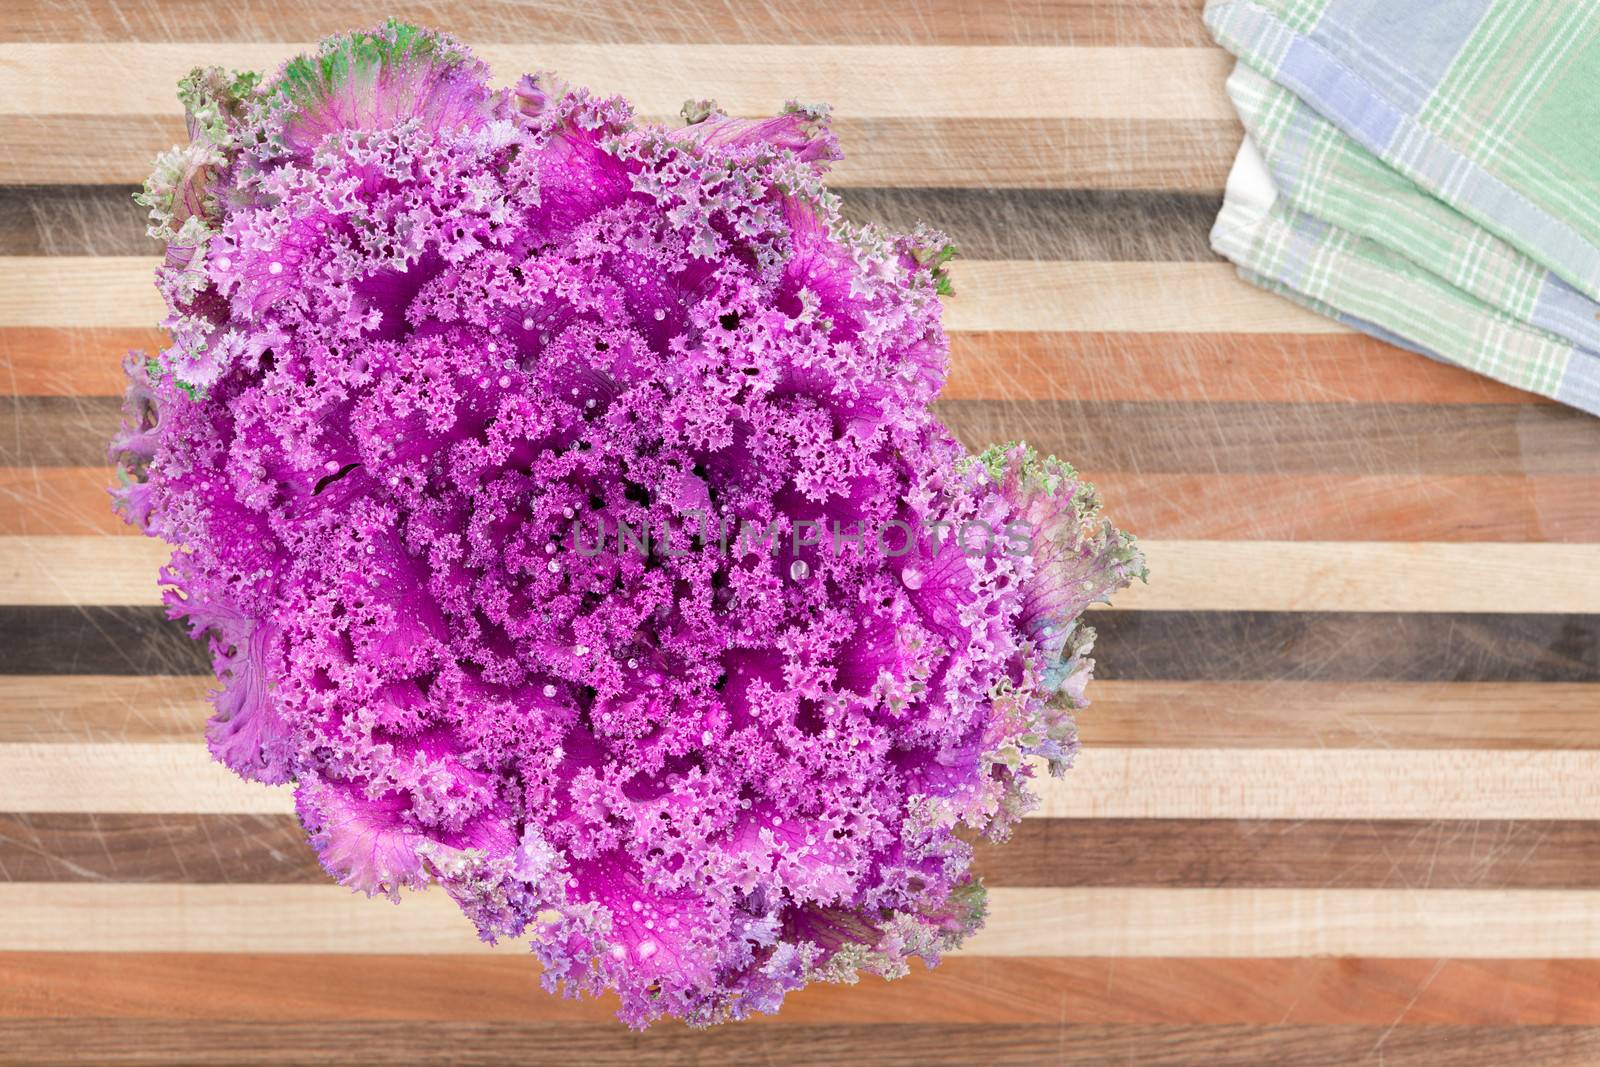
{"x":444,"y":359}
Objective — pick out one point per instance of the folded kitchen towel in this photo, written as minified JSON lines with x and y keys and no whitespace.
{"x":1427,"y":171}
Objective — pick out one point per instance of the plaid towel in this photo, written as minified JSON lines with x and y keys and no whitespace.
{"x":1427,"y":171}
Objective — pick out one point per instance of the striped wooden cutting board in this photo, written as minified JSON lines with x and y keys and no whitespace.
{"x":1340,"y":799}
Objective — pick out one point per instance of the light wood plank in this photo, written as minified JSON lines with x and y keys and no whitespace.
{"x":1367,"y":576}
{"x":119,"y":291}
{"x":79,"y":291}
{"x":55,"y":916}
{"x":889,"y":81}
{"x":920,"y":22}
{"x":1125,"y":297}
{"x":83,"y":569}
{"x":1211,"y":923}
{"x":1230,"y":923}
{"x":1035,"y":153}
{"x":1106,"y":783}
{"x":1185,"y":575}
{"x":132,"y":778}
{"x":1151,"y":783}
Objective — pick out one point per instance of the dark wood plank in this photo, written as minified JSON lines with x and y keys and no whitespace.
{"x":1398,"y":854}
{"x":73,"y":220}
{"x":1170,"y":155}
{"x":1166,"y":853}
{"x":876,"y":1045}
{"x":1310,"y":439}
{"x":191,"y":849}
{"x":962,"y":989}
{"x":925,"y":22}
{"x":97,"y":640}
{"x":1041,"y":224}
{"x":1133,"y":645}
{"x":1239,"y":507}
{"x":1050,"y":224}
{"x":1148,"y":437}
{"x":1346,"y":646}
{"x":58,"y":431}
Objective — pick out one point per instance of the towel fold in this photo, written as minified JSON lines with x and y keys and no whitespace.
{"x":1428,"y":172}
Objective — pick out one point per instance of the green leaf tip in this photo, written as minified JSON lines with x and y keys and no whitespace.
{"x":307,"y":79}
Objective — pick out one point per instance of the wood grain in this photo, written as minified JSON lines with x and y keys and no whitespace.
{"x":96,"y":640}
{"x":1354,"y":714}
{"x":1358,"y":576}
{"x":888,"y":81}
{"x":81,"y":570}
{"x":118,"y":291}
{"x":1134,"y":645}
{"x":883,"y":1045}
{"x":1402,"y":854}
{"x":1080,"y":22}
{"x":1114,"y":225}
{"x":1277,"y":713}
{"x":128,"y":778}
{"x":1347,"y":646}
{"x":46,"y":500}
{"x":1106,"y":783}
{"x":1148,"y":714}
{"x":1334,"y":784}
{"x":1189,"y":575}
{"x":1148,"y":437}
{"x":103,"y":708}
{"x":1131,"y":298}
{"x":1162,"y":437}
{"x":1316,"y":506}
{"x":1233,"y":923}
{"x":967,"y":989}
{"x":181,"y":848}
{"x":1030,"y":224}
{"x":69,"y":361}
{"x":1229,"y":367}
{"x":73,"y":220}
{"x":1266,"y":368}
{"x":1259,"y":505}
{"x":1163,"y":153}
{"x":1398,"y":854}
{"x":1154,"y":783}
{"x":1464,"y":924}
